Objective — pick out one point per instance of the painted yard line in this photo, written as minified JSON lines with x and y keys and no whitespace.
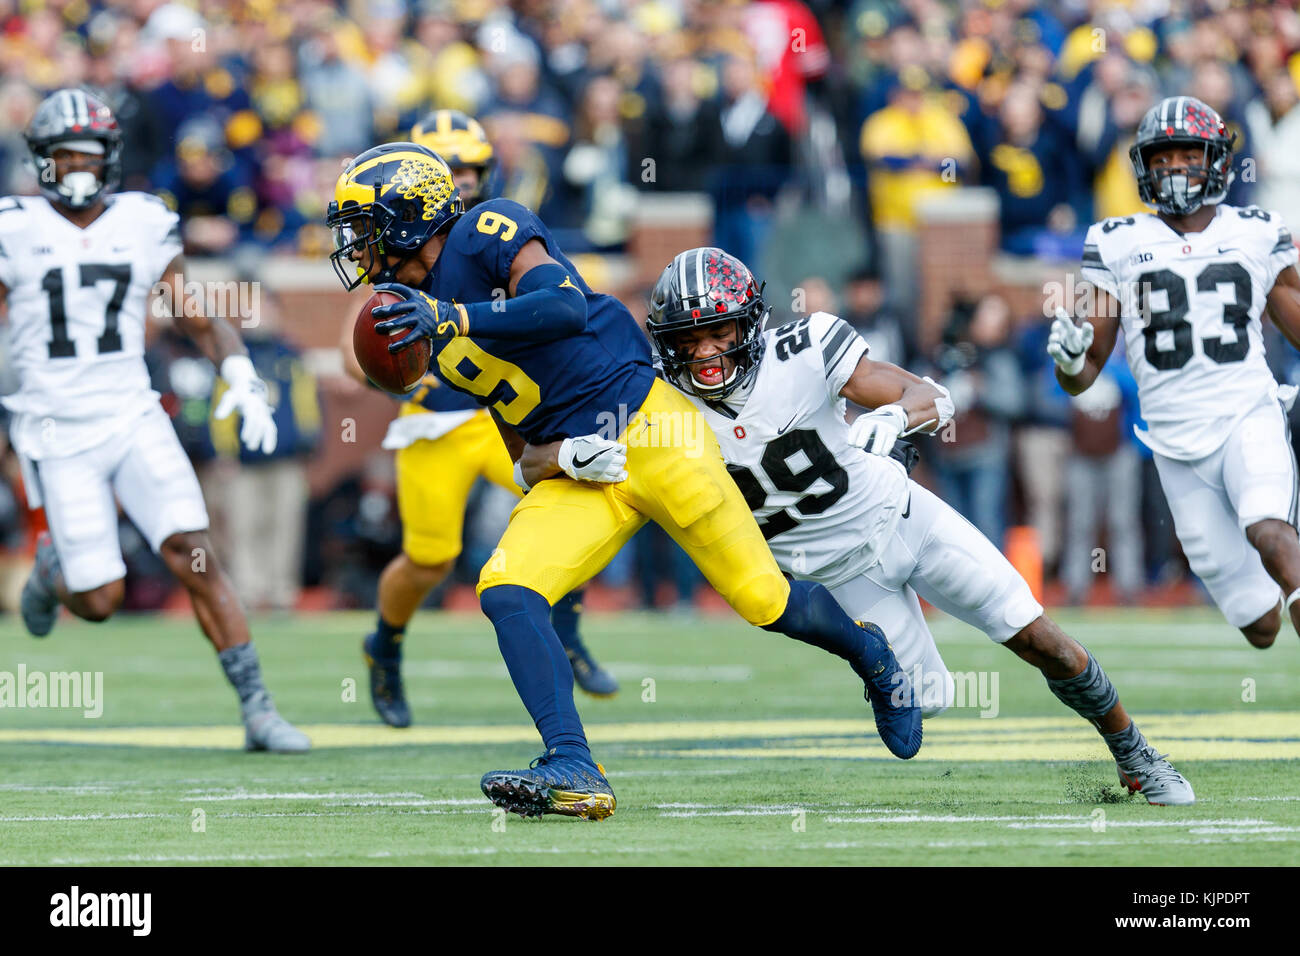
{"x":296,"y":795}
{"x":83,"y":817}
{"x":1265,"y":735}
{"x":1064,"y":751}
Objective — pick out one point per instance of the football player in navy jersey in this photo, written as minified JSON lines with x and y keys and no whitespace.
{"x":444,"y":441}
{"x":513,"y":324}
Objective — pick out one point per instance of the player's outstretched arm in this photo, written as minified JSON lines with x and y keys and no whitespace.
{"x":1284,"y":304}
{"x":544,"y":304}
{"x":902,"y":403}
{"x":1080,"y":351}
{"x":218,"y":340}
{"x":877,"y":384}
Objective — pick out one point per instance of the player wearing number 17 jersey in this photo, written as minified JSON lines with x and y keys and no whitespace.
{"x":1188,"y":286}
{"x":513,"y":324}
{"x":76,"y":268}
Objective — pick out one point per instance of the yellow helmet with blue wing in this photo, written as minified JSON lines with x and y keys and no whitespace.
{"x":462,"y":143}
{"x":387,"y":204}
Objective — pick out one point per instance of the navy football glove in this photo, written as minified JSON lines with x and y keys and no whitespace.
{"x":424,"y":315}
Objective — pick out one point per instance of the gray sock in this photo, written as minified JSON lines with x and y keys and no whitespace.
{"x":245,"y":675}
{"x":1089,"y":693}
{"x":1125,"y":743}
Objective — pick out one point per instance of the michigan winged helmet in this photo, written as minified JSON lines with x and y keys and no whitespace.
{"x":389,"y":202}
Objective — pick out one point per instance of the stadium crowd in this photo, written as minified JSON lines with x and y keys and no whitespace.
{"x":239,"y":113}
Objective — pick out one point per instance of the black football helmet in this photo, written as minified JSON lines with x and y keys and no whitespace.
{"x":702,"y":287}
{"x":76,"y":120}
{"x":1183,"y":121}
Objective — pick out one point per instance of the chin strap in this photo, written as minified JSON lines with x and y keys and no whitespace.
{"x":1291,"y":599}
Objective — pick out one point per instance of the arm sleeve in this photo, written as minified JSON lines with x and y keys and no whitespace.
{"x":840,"y":346}
{"x":1094,"y":268}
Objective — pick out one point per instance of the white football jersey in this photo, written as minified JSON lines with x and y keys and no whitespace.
{"x":825,"y":507}
{"x":77,"y":300}
{"x":1190,"y":310}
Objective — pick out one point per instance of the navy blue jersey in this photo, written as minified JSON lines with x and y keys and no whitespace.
{"x":435,"y":395}
{"x":576,"y":385}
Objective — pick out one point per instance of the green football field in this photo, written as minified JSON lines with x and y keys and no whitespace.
{"x":727,"y":745}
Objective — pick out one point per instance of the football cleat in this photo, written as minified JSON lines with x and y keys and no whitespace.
{"x":40,"y":602}
{"x":386,"y":691}
{"x":590,"y":676}
{"x":1149,"y":773}
{"x":567,"y":786}
{"x":898,"y":718}
{"x":267,"y":730}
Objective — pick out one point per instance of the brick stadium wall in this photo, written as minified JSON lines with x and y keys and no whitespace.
{"x":958,"y":256}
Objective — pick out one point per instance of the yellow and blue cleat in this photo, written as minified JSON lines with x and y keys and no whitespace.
{"x":567,"y":786}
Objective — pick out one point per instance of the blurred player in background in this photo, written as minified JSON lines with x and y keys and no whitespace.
{"x":838,"y":509}
{"x":444,"y":442}
{"x":76,"y":268}
{"x":556,"y":360}
{"x":1189,"y":285}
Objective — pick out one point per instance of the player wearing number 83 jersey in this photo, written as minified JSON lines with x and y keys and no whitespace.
{"x":1190,"y":305}
{"x":1188,"y":286}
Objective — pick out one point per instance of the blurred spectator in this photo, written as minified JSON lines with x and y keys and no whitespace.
{"x":877,"y":322}
{"x":1042,"y":442}
{"x":972,"y":458}
{"x":1109,"y":111}
{"x":751,"y":160}
{"x":210,"y":191}
{"x":915,"y":146}
{"x":268,"y":494}
{"x":338,"y":95}
{"x":1274,"y":121}
{"x":184,"y":377}
{"x":1035,"y":174}
{"x":526,"y":111}
{"x":677,"y":131}
{"x":791,"y":51}
{"x":597,"y":164}
{"x":1104,"y":476}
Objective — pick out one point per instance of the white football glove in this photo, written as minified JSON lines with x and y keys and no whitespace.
{"x":875,"y":432}
{"x":247,"y":394}
{"x":592,"y":458}
{"x":1068,"y":343}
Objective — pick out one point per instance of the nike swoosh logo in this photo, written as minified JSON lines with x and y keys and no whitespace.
{"x":581,"y":463}
{"x":782,"y":431}
{"x":1222,"y":250}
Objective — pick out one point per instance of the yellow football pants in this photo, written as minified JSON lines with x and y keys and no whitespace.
{"x":565,"y":531}
{"x":434,"y":479}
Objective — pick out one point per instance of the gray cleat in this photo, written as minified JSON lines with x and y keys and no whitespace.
{"x":1149,"y":773}
{"x":40,"y":603}
{"x":267,"y":730}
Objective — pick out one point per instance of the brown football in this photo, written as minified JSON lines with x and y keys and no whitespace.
{"x":399,"y":372}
